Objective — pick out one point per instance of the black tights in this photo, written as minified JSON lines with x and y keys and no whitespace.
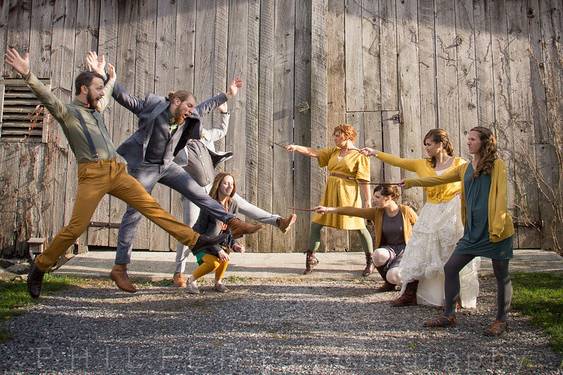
{"x":504,"y":285}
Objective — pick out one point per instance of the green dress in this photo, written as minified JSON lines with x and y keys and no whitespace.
{"x":475,"y":240}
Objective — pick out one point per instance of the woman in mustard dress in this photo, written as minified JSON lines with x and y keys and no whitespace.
{"x":347,"y":167}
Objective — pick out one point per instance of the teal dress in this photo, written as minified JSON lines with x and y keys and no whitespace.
{"x":475,"y":240}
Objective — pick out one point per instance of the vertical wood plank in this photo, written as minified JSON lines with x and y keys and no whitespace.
{"x":164,"y":83}
{"x":10,"y":160}
{"x":501,"y":74}
{"x":107,"y":46}
{"x":427,"y":66}
{"x":145,"y":55}
{"x":266,"y":117}
{"x":446,"y":70}
{"x":354,"y":78}
{"x":466,"y":73}
{"x":63,"y":81}
{"x":483,"y":65}
{"x":388,"y":53}
{"x":526,"y":193}
{"x":284,"y":47}
{"x":302,"y":124}
{"x":220,"y":57}
{"x":19,"y":26}
{"x":124,"y":122}
{"x":409,"y":91}
{"x":370,"y":55}
{"x":4,"y":9}
{"x":252,"y":173}
{"x":29,"y":221}
{"x":549,"y":155}
{"x":335,"y":15}
{"x":183,"y":76}
{"x":324,"y":16}
{"x":40,"y":39}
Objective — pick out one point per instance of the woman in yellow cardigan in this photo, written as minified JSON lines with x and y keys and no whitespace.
{"x":488,"y":227}
{"x":392,"y":228}
{"x":347,"y":167}
{"x":437,"y":230}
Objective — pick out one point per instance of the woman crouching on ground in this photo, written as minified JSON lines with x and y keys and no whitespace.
{"x":392,"y":226}
{"x":216,"y":257}
{"x":488,"y":227}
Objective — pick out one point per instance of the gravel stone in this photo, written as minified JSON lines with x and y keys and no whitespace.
{"x":263,"y":326}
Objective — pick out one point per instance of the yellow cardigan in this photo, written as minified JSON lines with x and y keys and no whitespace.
{"x":376,"y":215}
{"x":500,"y":221}
{"x":423,"y":168}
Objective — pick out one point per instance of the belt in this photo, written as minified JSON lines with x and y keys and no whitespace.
{"x":342,"y":175}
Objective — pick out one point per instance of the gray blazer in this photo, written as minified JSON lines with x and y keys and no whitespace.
{"x":134,"y":148}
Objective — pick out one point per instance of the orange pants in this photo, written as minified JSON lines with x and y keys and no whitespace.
{"x":211,"y":263}
{"x":95,"y":179}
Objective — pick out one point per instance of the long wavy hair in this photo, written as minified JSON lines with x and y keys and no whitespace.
{"x":439,"y":136}
{"x":487,"y":153}
{"x":214,"y":192}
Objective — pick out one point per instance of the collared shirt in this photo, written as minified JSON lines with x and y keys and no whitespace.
{"x":71,"y":125}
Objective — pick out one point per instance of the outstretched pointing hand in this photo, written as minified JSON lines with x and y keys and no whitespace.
{"x":16,"y":61}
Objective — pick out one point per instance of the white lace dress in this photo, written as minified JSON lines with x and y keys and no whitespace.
{"x":433,"y":240}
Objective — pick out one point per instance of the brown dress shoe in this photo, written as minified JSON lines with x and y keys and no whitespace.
{"x":497,"y":328}
{"x":179,"y":280}
{"x":284,"y":223}
{"x":239,"y":228}
{"x":408,"y":298}
{"x":441,"y":322}
{"x":119,"y":275}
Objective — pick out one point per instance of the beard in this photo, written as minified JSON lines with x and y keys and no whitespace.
{"x":92,"y":101}
{"x":180,"y":116}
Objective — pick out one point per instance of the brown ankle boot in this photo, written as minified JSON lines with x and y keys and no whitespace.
{"x":284,"y":223}
{"x":239,"y":228}
{"x":180,"y":280}
{"x":409,"y":296}
{"x":369,"y":265}
{"x":311,"y":262}
{"x":119,"y":275}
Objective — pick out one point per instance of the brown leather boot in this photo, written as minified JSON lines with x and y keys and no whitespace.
{"x":311,"y":262}
{"x":284,"y":223}
{"x":119,"y":275}
{"x":239,"y":228}
{"x":369,"y":265}
{"x":409,"y":296}
{"x":180,"y":280}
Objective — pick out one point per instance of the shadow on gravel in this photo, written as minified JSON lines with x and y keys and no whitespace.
{"x":314,"y":327}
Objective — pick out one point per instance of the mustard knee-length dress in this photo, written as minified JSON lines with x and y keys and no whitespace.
{"x":341,"y":192}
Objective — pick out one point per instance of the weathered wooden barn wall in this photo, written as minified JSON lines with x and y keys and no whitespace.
{"x":394,"y":69}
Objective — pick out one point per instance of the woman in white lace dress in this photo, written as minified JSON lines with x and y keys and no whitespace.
{"x":437,"y":230}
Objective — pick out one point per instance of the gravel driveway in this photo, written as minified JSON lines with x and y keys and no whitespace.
{"x":292,"y":326}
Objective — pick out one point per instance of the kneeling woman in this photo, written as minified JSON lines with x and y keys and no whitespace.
{"x":216,"y":257}
{"x":392,"y":226}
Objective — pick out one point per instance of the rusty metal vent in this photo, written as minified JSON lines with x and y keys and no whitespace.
{"x":21,"y":119}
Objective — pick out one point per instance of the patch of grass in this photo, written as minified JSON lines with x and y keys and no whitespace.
{"x":14,"y":296}
{"x":540,"y":296}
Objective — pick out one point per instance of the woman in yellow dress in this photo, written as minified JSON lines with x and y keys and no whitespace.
{"x":347,"y":167}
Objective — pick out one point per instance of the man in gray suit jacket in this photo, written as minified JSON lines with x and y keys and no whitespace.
{"x":165,"y":125}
